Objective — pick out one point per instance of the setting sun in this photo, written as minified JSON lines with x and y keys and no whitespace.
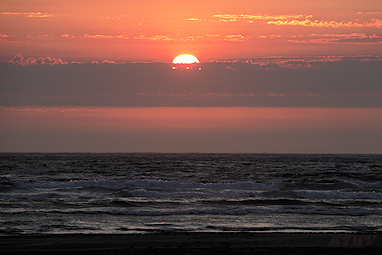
{"x":185,"y":59}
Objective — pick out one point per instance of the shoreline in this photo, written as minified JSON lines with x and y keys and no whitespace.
{"x":195,"y":243}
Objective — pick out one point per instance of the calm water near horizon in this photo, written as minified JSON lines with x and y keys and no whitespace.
{"x":59,"y":193}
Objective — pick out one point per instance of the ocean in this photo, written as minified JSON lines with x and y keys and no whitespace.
{"x":123,"y":193}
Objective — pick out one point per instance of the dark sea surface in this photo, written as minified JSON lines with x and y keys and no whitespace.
{"x":152,"y":192}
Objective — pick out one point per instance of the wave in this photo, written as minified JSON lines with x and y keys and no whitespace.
{"x":24,"y":195}
{"x":122,"y":184}
{"x":294,"y":229}
{"x":338,"y":185}
{"x":108,"y":184}
{"x":337,"y":195}
{"x":175,"y":189}
{"x":259,"y":210}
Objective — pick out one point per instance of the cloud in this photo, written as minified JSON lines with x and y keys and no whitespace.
{"x":235,"y":38}
{"x":121,"y":37}
{"x":270,"y":36}
{"x":30,"y":14}
{"x":334,"y":24}
{"x":374,"y":13}
{"x":166,"y":38}
{"x":108,"y":62}
{"x":118,"y":17}
{"x":354,"y":38}
{"x":67,"y":36}
{"x":155,"y":38}
{"x":291,"y":62}
{"x":234,"y":17}
{"x":97,"y":36}
{"x":193,"y":19}
{"x":7,"y":38}
{"x":18,"y":59}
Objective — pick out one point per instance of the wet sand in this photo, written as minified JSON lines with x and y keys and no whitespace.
{"x":196,"y":243}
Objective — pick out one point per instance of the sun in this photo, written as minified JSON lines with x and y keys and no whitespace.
{"x":185,"y":59}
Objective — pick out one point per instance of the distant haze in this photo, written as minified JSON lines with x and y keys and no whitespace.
{"x":290,"y":82}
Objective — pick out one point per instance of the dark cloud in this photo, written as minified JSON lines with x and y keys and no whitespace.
{"x":289,"y":82}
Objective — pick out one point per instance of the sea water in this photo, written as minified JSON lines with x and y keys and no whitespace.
{"x":62,"y":193}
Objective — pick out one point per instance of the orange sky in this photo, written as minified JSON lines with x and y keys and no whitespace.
{"x":276,"y":76}
{"x":210,"y":29}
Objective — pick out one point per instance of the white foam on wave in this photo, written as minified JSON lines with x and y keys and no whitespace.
{"x":159,"y":188}
{"x":268,"y":210}
{"x":191,"y":193}
{"x":337,"y":195}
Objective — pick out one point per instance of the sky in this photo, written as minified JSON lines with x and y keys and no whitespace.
{"x":274,"y":76}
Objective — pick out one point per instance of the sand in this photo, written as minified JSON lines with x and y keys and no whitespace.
{"x":196,"y":243}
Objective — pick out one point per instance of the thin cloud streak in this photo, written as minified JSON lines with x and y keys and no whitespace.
{"x":354,"y":38}
{"x":30,"y":14}
{"x":232,"y":17}
{"x":334,"y":24}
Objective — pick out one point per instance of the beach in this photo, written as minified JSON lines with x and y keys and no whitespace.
{"x":196,"y":243}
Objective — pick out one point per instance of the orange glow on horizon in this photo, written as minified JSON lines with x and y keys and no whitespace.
{"x":198,"y":118}
{"x":183,"y":129}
